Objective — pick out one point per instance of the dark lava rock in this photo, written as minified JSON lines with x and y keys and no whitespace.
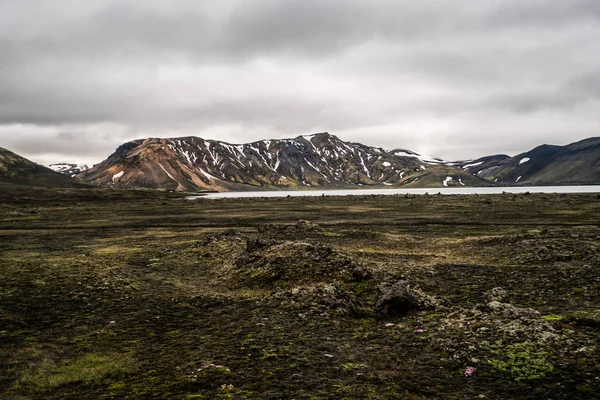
{"x":401,"y":297}
{"x":585,"y":318}
{"x":321,"y":299}
{"x":509,"y":311}
{"x":294,"y":262}
{"x":307,"y":226}
{"x":497,"y":294}
{"x":219,"y":236}
{"x":300,"y":226}
{"x":360,"y":273}
{"x":256,"y":244}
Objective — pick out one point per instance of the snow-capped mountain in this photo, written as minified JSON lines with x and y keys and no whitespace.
{"x":68,"y":168}
{"x":317,"y":160}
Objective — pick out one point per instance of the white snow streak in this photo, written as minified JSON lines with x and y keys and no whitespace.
{"x":472,"y":165}
{"x":166,"y":172}
{"x":206,"y":174}
{"x":424,"y":158}
{"x":117,"y":175}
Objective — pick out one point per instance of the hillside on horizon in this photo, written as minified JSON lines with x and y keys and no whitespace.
{"x":19,"y":171}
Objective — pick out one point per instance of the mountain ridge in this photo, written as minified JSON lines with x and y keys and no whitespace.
{"x":575,"y":163}
{"x":316,"y":160}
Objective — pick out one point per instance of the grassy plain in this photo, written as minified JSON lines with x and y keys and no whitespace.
{"x":108,"y":294}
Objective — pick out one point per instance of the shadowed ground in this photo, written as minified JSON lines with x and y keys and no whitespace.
{"x":116,"y":294}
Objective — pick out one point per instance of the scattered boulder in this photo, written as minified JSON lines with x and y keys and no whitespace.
{"x":401,"y":297}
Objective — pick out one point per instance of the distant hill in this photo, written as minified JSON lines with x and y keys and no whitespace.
{"x":577,"y":163}
{"x":311,"y":161}
{"x":19,"y":171}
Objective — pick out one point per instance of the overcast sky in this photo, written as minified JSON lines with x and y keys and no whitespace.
{"x":454,"y":78}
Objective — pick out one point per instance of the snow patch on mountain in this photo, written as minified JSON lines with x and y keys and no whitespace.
{"x":472,"y":165}
{"x":422,"y":157}
{"x":69,"y":168}
{"x":117,"y":175}
{"x":166,"y":172}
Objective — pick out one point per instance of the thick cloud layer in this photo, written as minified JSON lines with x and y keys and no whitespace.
{"x":455,"y":78}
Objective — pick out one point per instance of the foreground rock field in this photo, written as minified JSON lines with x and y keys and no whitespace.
{"x":108,"y":294}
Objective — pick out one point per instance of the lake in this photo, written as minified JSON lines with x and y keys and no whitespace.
{"x":367,"y":192}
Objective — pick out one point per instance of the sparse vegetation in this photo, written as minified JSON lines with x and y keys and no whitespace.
{"x":525,"y":361}
{"x":128,"y":295}
{"x":86,"y":369}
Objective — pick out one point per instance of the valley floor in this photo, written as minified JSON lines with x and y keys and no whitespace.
{"x":108,"y":294}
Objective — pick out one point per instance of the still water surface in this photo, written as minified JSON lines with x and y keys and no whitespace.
{"x":363,"y":192}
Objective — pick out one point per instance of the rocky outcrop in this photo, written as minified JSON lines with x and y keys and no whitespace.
{"x":401,"y":297}
{"x":321,"y":299}
{"x":289,"y":262}
{"x":300,"y":226}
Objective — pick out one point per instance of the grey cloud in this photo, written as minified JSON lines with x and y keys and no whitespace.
{"x":549,"y":14}
{"x":385,"y":72}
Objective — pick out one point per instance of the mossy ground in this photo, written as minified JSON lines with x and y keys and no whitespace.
{"x":108,"y":294}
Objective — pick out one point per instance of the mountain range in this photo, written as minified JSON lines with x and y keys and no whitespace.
{"x":319,"y":160}
{"x":323,"y":160}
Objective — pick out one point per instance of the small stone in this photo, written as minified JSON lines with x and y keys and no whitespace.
{"x":494,"y":305}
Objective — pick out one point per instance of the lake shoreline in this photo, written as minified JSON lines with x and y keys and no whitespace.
{"x":391,"y":192}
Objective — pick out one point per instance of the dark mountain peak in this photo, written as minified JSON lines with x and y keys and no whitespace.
{"x":576,"y":163}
